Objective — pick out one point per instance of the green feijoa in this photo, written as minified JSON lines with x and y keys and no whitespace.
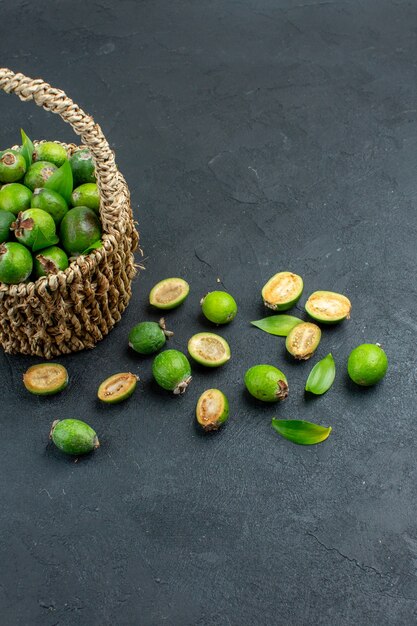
{"x":267,"y":383}
{"x":73,"y":437}
{"x":303,"y":340}
{"x":82,"y":166}
{"x":15,"y":263}
{"x":50,"y":261}
{"x":172,"y":371}
{"x":51,"y":202}
{"x":12,"y":166}
{"x":38,"y":174}
{"x":79,"y":229}
{"x":212,"y":409}
{"x":33,"y":226}
{"x":86,"y":195}
{"x":302,"y":432}
{"x":321,"y":376}
{"x":328,"y":307}
{"x":6,"y":220}
{"x":117,"y":388}
{"x":149,"y":337}
{"x":209,"y":349}
{"x":45,"y":379}
{"x":15,"y":197}
{"x":169,"y":293}
{"x":50,"y":151}
{"x":219,"y":307}
{"x":367,"y":364}
{"x":282,"y":291}
{"x":279,"y":325}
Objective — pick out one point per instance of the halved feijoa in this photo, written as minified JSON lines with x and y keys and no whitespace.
{"x":303,"y":340}
{"x":45,"y":379}
{"x":169,"y":293}
{"x":149,"y":337}
{"x":282,"y":291}
{"x":266,"y":383}
{"x":172,"y":371}
{"x":209,"y":349}
{"x":73,"y":436}
{"x":117,"y":387}
{"x":328,"y":307}
{"x":212,"y":409}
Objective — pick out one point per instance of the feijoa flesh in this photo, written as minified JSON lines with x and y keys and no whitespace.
{"x":45,"y":379}
{"x":15,"y":197}
{"x":209,"y":349}
{"x":117,"y":388}
{"x":266,"y":383}
{"x":148,"y":337}
{"x":282,"y":291}
{"x":302,"y":340}
{"x":219,"y":307}
{"x":172,"y":371}
{"x":212,"y":409}
{"x":15,"y":263}
{"x":328,"y":307}
{"x":12,"y":166}
{"x":74,"y":437}
{"x":169,"y":293}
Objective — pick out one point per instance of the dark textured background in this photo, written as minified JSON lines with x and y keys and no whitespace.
{"x":255,"y":135}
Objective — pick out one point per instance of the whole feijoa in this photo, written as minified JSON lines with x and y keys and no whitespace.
{"x":73,"y":436}
{"x":117,"y":387}
{"x":328,"y":307}
{"x":212,"y":409}
{"x":15,"y":263}
{"x":50,"y":201}
{"x":148,"y":337}
{"x":50,"y":151}
{"x":80,"y":228}
{"x":282,"y":291}
{"x":30,"y":223}
{"x":82,"y":166}
{"x":172,"y":371}
{"x":169,"y":293}
{"x":38,"y":173}
{"x":15,"y":197}
{"x":86,"y":195}
{"x":302,"y":341}
{"x":45,"y":379}
{"x":6,"y":220}
{"x":367,"y":364}
{"x":266,"y":383}
{"x":50,"y":261}
{"x":219,"y":307}
{"x":12,"y":166}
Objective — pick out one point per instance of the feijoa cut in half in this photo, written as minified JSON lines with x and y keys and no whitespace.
{"x":303,"y":340}
{"x":328,"y":307}
{"x":212,"y":409}
{"x":117,"y":388}
{"x":169,"y":293}
{"x":209,"y":349}
{"x":74,"y":437}
{"x":266,"y":383}
{"x":282,"y":291}
{"x":45,"y":379}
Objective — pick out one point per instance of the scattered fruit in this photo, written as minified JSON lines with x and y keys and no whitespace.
{"x":282,"y":291}
{"x":6,"y":220}
{"x":80,"y":228}
{"x":301,"y":432}
{"x":172,"y":371}
{"x":279,"y":325}
{"x":51,"y":152}
{"x":86,"y":195}
{"x":219,"y":307}
{"x":149,"y":337}
{"x":73,"y":437}
{"x":45,"y":379}
{"x":38,"y":174}
{"x":367,"y":364}
{"x":12,"y":166}
{"x":82,"y":167}
{"x":51,"y":202}
{"x":322,"y":376}
{"x":169,"y":293}
{"x":117,"y":387}
{"x":328,"y":307}
{"x":50,"y":261}
{"x":302,"y":340}
{"x":30,"y":223}
{"x":15,"y":263}
{"x":15,"y":197}
{"x":209,"y":349}
{"x":266,"y":383}
{"x":212,"y":409}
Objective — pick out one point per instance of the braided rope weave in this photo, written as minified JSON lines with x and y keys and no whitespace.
{"x":73,"y":309}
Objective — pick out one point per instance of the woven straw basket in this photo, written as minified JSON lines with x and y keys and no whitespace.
{"x":73,"y":309}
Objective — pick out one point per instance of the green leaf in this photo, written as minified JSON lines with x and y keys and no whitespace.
{"x":61,"y":181}
{"x":94,"y":246}
{"x":277,"y":324}
{"x":301,"y":432}
{"x":321,"y":376}
{"x":27,"y":148}
{"x":41,"y":241}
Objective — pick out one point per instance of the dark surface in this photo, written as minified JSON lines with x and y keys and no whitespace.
{"x":255,"y":136}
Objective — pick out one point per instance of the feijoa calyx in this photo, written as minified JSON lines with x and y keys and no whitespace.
{"x":328,"y":307}
{"x":169,"y":293}
{"x":209,"y":349}
{"x":45,"y":379}
{"x":149,"y":337}
{"x":73,"y":437}
{"x":303,"y":340}
{"x":117,"y":388}
{"x":212,"y":409}
{"x":172,"y":371}
{"x":282,"y":291}
{"x":266,"y":383}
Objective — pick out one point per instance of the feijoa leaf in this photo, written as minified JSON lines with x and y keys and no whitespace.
{"x":321,"y":376}
{"x":41,"y":241}
{"x":301,"y":432}
{"x":94,"y":246}
{"x":279,"y":325}
{"x":27,"y":148}
{"x":61,"y":181}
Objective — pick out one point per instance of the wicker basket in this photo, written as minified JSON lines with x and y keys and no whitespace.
{"x":73,"y":309}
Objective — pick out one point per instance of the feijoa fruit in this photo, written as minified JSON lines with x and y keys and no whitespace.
{"x":45,"y":379}
{"x":266,"y":383}
{"x":282,"y":291}
{"x":328,"y":307}
{"x":172,"y":371}
{"x":212,"y":409}
{"x":169,"y":293}
{"x":117,"y":387}
{"x":209,"y":349}
{"x":73,"y":437}
{"x":148,"y":337}
{"x":219,"y":307}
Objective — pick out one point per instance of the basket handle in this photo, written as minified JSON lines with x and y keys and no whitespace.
{"x":56,"y":101}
